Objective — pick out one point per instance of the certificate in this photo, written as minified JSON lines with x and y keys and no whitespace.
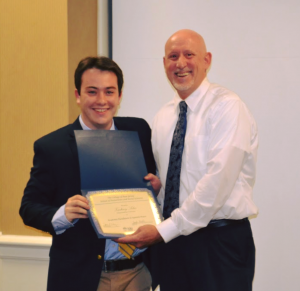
{"x":112,"y":171}
{"x":116,"y":213}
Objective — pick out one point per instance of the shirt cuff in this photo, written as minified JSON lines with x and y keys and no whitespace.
{"x":168,"y":230}
{"x":60,"y":222}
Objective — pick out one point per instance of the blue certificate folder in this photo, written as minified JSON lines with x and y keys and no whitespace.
{"x":110,"y":160}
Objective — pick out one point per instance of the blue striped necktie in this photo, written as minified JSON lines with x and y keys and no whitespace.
{"x":173,"y":176}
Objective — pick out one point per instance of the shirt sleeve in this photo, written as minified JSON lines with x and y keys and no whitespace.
{"x":60,"y":222}
{"x":229,"y":143}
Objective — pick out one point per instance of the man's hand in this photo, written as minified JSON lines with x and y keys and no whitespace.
{"x":155,"y":182}
{"x":145,"y":236}
{"x":76,"y":207}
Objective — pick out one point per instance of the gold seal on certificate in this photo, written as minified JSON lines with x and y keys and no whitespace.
{"x":116,"y":213}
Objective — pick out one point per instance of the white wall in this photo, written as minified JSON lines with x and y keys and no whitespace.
{"x":24,"y":262}
{"x":256,"y":53}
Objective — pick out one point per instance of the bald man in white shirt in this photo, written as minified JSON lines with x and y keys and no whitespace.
{"x":205,"y":242}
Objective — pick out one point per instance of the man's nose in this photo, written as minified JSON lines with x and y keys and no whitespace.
{"x":181,"y":62}
{"x":101,"y":98}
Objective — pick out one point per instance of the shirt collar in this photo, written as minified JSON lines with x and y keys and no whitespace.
{"x":193,"y":100}
{"x":84,"y":127}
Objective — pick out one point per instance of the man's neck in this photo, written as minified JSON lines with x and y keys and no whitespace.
{"x":85,"y":127}
{"x":183,"y":95}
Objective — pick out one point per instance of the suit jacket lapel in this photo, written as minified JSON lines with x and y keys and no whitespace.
{"x":119,"y":124}
{"x":71,"y":138}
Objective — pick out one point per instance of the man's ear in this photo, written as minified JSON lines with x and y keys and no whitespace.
{"x":77,"y":96}
{"x":207,"y":59}
{"x":164,"y":61}
{"x":120,"y":97}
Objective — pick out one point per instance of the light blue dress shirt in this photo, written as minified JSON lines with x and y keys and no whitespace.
{"x":61,"y":224}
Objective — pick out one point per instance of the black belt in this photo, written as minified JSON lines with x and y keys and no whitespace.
{"x":119,"y":265}
{"x":224,"y":222}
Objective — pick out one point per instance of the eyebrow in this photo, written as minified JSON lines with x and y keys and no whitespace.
{"x":96,"y":88}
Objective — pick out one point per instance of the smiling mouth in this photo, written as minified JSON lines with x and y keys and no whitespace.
{"x":101,"y":110}
{"x":182,"y":74}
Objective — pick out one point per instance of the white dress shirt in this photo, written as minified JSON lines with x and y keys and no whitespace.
{"x":218,"y":161}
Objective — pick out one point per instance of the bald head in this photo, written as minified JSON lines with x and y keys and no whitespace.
{"x":186,"y":61}
{"x":188,"y":35}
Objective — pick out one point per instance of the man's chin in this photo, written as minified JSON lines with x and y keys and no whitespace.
{"x":182,"y":87}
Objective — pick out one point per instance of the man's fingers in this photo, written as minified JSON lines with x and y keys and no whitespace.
{"x":155,"y":182}
{"x":78,"y":202}
{"x":132,"y":238}
{"x":145,"y":236}
{"x":148,"y":177}
{"x":79,"y":198}
{"x":127,"y":239}
{"x":73,"y":216}
{"x":76,"y":207}
{"x":75,"y":212}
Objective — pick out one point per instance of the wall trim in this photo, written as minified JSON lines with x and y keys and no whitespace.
{"x":23,"y":240}
{"x":19,"y":247}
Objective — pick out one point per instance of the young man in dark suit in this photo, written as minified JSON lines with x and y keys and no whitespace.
{"x":52,"y":202}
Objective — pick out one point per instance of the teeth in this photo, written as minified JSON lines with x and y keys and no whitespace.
{"x":182,"y":74}
{"x":100,"y":110}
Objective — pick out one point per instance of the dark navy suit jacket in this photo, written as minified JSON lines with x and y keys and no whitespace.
{"x":55,"y":177}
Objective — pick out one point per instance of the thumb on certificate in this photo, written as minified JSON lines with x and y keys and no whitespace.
{"x":155,"y":182}
{"x":144,"y":236}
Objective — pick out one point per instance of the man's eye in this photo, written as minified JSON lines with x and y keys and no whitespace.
{"x":92,"y":92}
{"x":173,"y":56}
{"x":109,"y":92}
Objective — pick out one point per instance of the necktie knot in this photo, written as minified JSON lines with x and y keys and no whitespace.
{"x":183,"y":107}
